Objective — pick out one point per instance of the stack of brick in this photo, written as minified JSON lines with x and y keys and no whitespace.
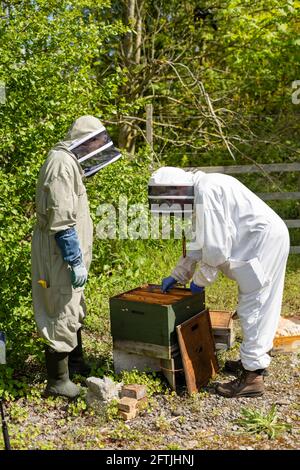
{"x":133,"y":399}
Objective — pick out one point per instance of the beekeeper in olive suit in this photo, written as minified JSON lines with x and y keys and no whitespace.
{"x":238,"y":234}
{"x":62,"y":248}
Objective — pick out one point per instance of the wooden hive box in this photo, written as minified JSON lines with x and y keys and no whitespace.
{"x":222,"y":327}
{"x":144,"y":320}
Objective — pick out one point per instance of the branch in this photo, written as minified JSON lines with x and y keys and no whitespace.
{"x":208,"y":101}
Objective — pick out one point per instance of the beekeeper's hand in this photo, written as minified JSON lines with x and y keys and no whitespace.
{"x":167,"y":283}
{"x":79,"y":275}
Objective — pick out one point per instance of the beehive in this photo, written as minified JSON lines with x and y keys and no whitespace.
{"x":147,"y":316}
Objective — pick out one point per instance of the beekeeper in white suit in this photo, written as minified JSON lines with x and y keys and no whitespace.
{"x":62,"y":248}
{"x":238,"y":234}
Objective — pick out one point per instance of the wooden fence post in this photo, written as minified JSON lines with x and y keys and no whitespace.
{"x":149,"y":124}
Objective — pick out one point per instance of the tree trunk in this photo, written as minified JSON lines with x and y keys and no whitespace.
{"x":127,"y":137}
{"x":132,"y":56}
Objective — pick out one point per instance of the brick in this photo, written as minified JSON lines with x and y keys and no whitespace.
{"x":134,"y":391}
{"x":127,"y":404}
{"x":127,"y":416}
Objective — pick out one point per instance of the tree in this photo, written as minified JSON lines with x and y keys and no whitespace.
{"x":212,"y":70}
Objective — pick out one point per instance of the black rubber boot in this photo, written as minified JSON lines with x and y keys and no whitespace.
{"x":59,"y":383}
{"x":77,"y":365}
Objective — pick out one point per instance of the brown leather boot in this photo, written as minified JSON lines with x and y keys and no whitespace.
{"x":249,"y":384}
{"x":236,"y":367}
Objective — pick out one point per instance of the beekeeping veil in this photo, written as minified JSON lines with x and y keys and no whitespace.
{"x":89,"y":141}
{"x":171,"y":191}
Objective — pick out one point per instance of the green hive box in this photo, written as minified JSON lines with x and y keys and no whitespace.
{"x":146,"y":315}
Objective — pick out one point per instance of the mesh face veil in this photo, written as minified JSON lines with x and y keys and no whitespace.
{"x":171,"y":199}
{"x":171,"y":191}
{"x":95,"y":151}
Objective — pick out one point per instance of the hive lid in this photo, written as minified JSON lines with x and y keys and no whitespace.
{"x":197,"y":351}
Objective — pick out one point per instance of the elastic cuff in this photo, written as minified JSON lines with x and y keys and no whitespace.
{"x":260,"y":371}
{"x":69,"y":231}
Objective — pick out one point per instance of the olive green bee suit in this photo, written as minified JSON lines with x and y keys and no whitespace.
{"x":61,"y":203}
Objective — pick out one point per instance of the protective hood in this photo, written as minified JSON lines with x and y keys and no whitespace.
{"x":89,"y":141}
{"x":171,"y":191}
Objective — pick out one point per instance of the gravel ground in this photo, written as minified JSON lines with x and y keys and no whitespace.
{"x":207,"y":420}
{"x":202,"y":421}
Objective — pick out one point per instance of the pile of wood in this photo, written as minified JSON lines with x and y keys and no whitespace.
{"x":133,"y":400}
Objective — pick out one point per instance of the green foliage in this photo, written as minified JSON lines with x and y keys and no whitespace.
{"x":245,"y":56}
{"x":173,"y":447}
{"x":123,"y":432}
{"x":161,"y":423}
{"x":195,"y":401}
{"x":77,"y":407}
{"x":151,"y":380}
{"x":18,"y":413}
{"x":10,"y":385}
{"x":112,"y":410}
{"x":256,"y":422}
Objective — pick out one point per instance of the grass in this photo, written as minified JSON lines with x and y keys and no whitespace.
{"x":291,"y":295}
{"x":256,"y":422}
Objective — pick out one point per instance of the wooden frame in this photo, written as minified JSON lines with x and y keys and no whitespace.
{"x":198,"y":352}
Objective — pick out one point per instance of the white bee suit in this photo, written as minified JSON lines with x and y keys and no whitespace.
{"x":240,"y":235}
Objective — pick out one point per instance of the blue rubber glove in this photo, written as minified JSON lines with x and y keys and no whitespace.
{"x":68,"y":243}
{"x":196,"y":289}
{"x":79,"y":275}
{"x":167,"y":283}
